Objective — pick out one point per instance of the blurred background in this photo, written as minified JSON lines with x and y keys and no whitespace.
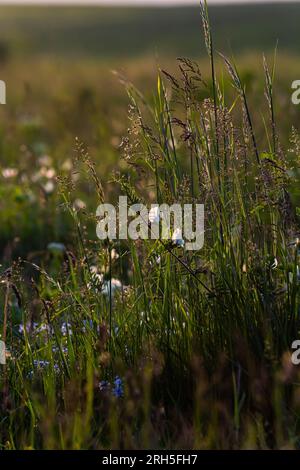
{"x":122,"y":32}
{"x":57,"y":62}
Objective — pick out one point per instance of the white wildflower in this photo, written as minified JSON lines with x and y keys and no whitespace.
{"x":8,"y":173}
{"x":48,"y":173}
{"x":45,"y":160}
{"x":79,"y":205}
{"x":49,"y":187}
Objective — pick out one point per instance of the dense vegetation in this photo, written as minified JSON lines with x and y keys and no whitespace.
{"x":142,"y":344}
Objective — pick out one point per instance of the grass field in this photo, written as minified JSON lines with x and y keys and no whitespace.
{"x":143,"y":344}
{"x":116,"y":33}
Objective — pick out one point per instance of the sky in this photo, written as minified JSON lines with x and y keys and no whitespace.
{"x":135,"y":2}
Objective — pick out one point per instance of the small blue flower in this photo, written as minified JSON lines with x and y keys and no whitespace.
{"x":41,"y":364}
{"x":64,"y":349}
{"x":87,"y":325}
{"x":27,"y":327}
{"x":118,"y":389}
{"x":66,"y":329}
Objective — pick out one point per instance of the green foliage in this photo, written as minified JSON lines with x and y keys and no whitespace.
{"x":130,"y":32}
{"x":141,"y":344}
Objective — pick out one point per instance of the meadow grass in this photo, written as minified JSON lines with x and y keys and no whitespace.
{"x":114,"y":33}
{"x":140,"y":344}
